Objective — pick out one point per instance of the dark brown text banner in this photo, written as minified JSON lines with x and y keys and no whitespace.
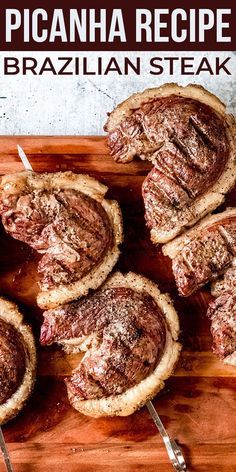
{"x":202,"y":25}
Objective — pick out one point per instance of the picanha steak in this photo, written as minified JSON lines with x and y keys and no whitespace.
{"x":226,"y":283}
{"x":17,"y":361}
{"x":129,"y":332}
{"x":187,"y":135}
{"x":203,"y":253}
{"x":12,"y":361}
{"x":222,"y":313}
{"x":65,"y":218}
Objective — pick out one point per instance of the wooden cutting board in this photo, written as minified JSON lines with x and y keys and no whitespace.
{"x":198,"y":403}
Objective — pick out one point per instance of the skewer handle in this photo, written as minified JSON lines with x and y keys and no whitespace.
{"x":173,"y":450}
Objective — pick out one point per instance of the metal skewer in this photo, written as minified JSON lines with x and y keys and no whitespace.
{"x":3,"y":446}
{"x":5,"y":452}
{"x":24,"y":158}
{"x":173,"y":450}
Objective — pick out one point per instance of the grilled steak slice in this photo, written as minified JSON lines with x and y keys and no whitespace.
{"x":129,"y":330}
{"x":204,"y":252}
{"x":71,"y":228}
{"x":227,"y":283}
{"x":189,"y":127}
{"x":12,"y":361}
{"x":125,"y":333}
{"x":17,"y":361}
{"x":222,"y":313}
{"x":190,"y":140}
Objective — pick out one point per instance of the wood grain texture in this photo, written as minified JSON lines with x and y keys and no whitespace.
{"x":198,"y":402}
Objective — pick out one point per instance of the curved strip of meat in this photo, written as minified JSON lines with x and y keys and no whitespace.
{"x":226,"y":283}
{"x":17,"y":361}
{"x":203,"y":253}
{"x":222,"y":313}
{"x":187,"y":135}
{"x":128,"y":330}
{"x":66,"y":219}
{"x":12,"y":359}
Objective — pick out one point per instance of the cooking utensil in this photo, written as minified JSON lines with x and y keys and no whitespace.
{"x":3,"y":446}
{"x":24,"y":158}
{"x":5,"y":453}
{"x":173,"y":450}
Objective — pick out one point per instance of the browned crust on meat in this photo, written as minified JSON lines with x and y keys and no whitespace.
{"x":223,"y":327}
{"x":10,"y":314}
{"x":16,"y":183}
{"x":197,"y":92}
{"x":134,"y":398}
{"x":173,"y":248}
{"x":231,"y":359}
{"x":215,"y":196}
{"x":221,"y":285}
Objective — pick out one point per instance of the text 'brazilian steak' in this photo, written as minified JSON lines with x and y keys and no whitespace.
{"x":129,"y":330}
{"x":204,"y":252}
{"x":66,"y":218}
{"x":187,"y":135}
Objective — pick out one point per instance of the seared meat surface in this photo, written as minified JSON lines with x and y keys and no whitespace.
{"x":187,"y":142}
{"x":126,"y":333}
{"x":222,"y":313}
{"x":205,"y":256}
{"x":70,"y":230}
{"x":188,"y":126}
{"x":12,"y":361}
{"x":227,"y":283}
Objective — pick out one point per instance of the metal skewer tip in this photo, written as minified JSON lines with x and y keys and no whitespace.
{"x":24,"y":158}
{"x":5,"y":453}
{"x":3,"y":446}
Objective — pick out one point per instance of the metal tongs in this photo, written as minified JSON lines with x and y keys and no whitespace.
{"x":173,"y":450}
